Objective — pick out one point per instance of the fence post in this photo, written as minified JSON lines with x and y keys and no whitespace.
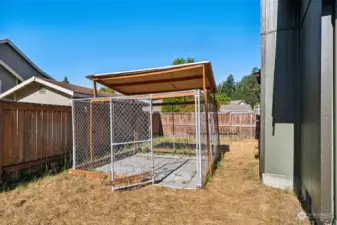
{"x":112,"y":153}
{"x":1,"y":141}
{"x":151,"y":138}
{"x":73,"y":131}
{"x":197,"y":137}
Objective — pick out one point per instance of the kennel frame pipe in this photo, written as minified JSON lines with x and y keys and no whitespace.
{"x":90,"y":137}
{"x":210,"y":132}
{"x":199,"y":141}
{"x":73,"y":131}
{"x":112,"y":155}
{"x":131,"y":142}
{"x":151,"y":139}
{"x":196,"y":134}
{"x":172,"y":117}
{"x":91,"y":122}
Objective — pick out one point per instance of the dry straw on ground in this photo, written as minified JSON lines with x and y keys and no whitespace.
{"x":234,"y":196}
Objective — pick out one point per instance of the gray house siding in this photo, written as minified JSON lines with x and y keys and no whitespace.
{"x":309,"y":156}
{"x":7,"y":80}
{"x":297,"y":100}
{"x":277,"y":155}
{"x":17,"y":63}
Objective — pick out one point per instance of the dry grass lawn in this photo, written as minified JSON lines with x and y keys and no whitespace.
{"x":234,"y":196}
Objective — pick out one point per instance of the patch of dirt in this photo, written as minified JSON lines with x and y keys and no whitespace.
{"x":234,"y":196}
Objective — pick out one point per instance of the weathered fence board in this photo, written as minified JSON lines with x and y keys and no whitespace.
{"x":231,"y":125}
{"x":32,"y":133}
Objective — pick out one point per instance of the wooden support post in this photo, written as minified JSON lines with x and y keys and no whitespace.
{"x":207,"y":122}
{"x":91,"y":145}
{"x":95,"y":88}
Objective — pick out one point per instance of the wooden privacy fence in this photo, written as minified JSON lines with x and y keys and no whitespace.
{"x":231,"y":125}
{"x":32,"y":135}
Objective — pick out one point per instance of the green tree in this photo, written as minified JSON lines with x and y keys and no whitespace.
{"x":107,"y":89}
{"x":227,"y":87}
{"x":65,"y":80}
{"x":222,"y":100}
{"x":178,"y":108}
{"x":190,"y":60}
{"x":168,"y":107}
{"x":248,"y":89}
{"x":179,"y":61}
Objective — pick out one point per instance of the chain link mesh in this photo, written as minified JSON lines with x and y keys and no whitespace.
{"x":213,"y":128}
{"x":204,"y":156}
{"x":123,"y":138}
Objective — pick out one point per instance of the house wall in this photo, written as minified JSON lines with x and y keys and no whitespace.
{"x":31,"y":94}
{"x":296,"y":100}
{"x":314,"y":137}
{"x":278,"y":41}
{"x":17,"y":63}
{"x":7,"y":80}
{"x":309,"y":153}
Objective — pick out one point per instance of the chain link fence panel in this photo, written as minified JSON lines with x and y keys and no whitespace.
{"x":124,"y":139}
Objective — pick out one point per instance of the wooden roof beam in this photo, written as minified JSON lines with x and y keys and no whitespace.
{"x":167,"y":91}
{"x":168,"y":80}
{"x":143,"y":74}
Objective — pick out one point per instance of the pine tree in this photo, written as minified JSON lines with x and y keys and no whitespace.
{"x":65,"y":80}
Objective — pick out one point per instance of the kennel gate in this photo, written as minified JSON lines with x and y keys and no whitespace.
{"x":114,"y":138}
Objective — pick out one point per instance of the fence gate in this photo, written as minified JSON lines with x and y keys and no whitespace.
{"x":131,"y":141}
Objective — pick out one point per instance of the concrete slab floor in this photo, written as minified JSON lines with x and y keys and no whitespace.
{"x":170,"y":170}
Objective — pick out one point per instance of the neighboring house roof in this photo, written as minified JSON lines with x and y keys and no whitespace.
{"x":79,"y":89}
{"x":69,"y":89}
{"x":236,"y":108}
{"x":9,"y":69}
{"x":6,"y":41}
{"x":237,"y":102}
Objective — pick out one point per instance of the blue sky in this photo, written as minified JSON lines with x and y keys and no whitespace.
{"x":76,"y":38}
